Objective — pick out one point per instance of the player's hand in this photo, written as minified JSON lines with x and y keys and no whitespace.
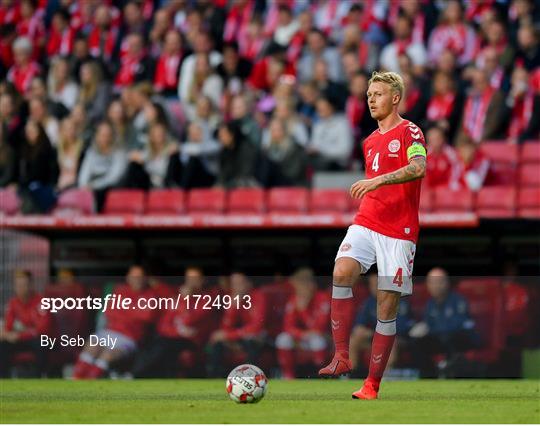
{"x":362,"y":187}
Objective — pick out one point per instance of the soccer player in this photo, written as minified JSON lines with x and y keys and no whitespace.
{"x":385,"y":229}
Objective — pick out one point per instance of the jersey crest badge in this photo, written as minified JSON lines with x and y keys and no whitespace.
{"x":394,"y":145}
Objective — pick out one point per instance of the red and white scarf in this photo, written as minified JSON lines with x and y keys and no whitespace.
{"x":441,"y":106}
{"x":237,"y":21}
{"x":475,"y":113}
{"x":128,"y":69}
{"x":325,"y":16}
{"x":166,"y":76}
{"x":521,"y":114}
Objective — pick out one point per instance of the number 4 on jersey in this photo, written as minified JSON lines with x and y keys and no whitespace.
{"x":398,"y":278}
{"x":375,"y":164}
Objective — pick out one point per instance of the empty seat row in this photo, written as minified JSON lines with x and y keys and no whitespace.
{"x":489,"y":202}
{"x":493,"y":201}
{"x":502,"y":152}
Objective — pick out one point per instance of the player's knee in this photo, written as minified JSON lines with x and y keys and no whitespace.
{"x":344,"y":274}
{"x":284,"y":341}
{"x":387,"y":305}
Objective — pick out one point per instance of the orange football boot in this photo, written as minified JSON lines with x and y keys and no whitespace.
{"x":368,"y":391}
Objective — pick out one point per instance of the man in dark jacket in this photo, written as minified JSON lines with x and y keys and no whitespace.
{"x":447,"y":327}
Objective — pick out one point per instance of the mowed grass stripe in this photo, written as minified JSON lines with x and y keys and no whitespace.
{"x":299,"y":401}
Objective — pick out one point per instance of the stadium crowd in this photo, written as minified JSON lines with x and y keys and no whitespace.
{"x":285,"y":328}
{"x":156,"y":93}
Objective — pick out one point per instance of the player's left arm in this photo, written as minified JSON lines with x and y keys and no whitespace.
{"x":416,"y":169}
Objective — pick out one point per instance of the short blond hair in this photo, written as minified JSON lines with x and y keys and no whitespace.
{"x":394,"y":80}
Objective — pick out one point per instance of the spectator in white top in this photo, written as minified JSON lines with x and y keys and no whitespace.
{"x":61,"y":88}
{"x":148,"y":167}
{"x":317,"y":48}
{"x":287,"y":26}
{"x":331,"y":140}
{"x":201,"y":44}
{"x":104,"y":165}
{"x":403,"y":43}
{"x":205,"y":82}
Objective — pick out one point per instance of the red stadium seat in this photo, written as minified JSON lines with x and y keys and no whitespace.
{"x":501,"y":152}
{"x":447,"y":200}
{"x":485,"y":297}
{"x":529,"y":175}
{"x":496,"y":201}
{"x":329,"y":201}
{"x":9,"y":202}
{"x":75,"y":202}
{"x":206,"y":200}
{"x":529,"y":203}
{"x":246,"y":200}
{"x":504,"y":158}
{"x":166,"y":201}
{"x":124,"y":201}
{"x":426,"y":199}
{"x":288,"y":200}
{"x":530,"y":152}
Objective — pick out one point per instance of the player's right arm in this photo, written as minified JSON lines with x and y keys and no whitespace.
{"x":416,"y":169}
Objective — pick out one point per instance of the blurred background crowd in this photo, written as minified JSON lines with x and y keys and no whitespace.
{"x":252,"y":93}
{"x":451,"y":327}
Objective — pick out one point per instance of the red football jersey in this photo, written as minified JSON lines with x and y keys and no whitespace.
{"x":134,"y":322}
{"x":314,"y":318}
{"x":27,"y":318}
{"x":391,"y":210}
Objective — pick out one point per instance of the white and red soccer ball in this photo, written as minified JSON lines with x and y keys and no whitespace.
{"x":246,"y":384}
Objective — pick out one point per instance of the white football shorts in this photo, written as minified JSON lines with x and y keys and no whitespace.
{"x":394,"y":257}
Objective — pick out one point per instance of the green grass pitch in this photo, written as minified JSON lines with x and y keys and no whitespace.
{"x":299,"y":401}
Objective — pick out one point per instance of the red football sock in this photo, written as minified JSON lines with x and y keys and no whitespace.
{"x":342,"y":314}
{"x":95,"y":372}
{"x":380,"y":350}
{"x":286,"y":362}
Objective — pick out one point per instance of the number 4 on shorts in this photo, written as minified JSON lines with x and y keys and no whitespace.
{"x":398,"y":278}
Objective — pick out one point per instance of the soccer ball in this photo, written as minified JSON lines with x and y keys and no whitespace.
{"x":246,"y":384}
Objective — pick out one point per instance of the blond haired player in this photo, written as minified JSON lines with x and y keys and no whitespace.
{"x":385,"y":229}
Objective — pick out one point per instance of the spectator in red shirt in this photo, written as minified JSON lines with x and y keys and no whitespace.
{"x":443,"y":106}
{"x":25,"y":321}
{"x":24,"y":69}
{"x":453,"y":33}
{"x":166,"y":76}
{"x":134,"y":64}
{"x":31,"y":25}
{"x":104,"y":35}
{"x":443,"y":167}
{"x":305,"y":324}
{"x":241,"y":326}
{"x":126,"y":327}
{"x":474,"y":167}
{"x":184,"y":328}
{"x":61,"y":36}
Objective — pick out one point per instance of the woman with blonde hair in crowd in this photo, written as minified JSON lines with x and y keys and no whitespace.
{"x":148,"y":167}
{"x":94,"y":93}
{"x":70,"y":149}
{"x":123,"y":129}
{"x":60,"y":87}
